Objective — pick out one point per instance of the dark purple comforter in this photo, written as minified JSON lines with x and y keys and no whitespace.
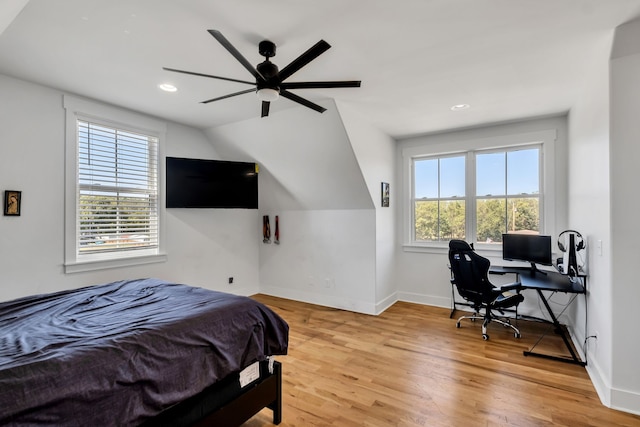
{"x":118,"y":353}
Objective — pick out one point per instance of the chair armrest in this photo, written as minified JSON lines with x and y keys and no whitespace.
{"x":499,"y":273}
{"x":510,"y":286}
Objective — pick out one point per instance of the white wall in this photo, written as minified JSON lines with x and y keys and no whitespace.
{"x":625,"y":205}
{"x":325,"y":257}
{"x":9,"y":9}
{"x":203,"y":247}
{"x":375,"y":152}
{"x":589,"y":213}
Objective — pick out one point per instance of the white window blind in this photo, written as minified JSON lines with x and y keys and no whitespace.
{"x":117,"y":200}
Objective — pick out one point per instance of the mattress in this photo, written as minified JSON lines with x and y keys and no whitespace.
{"x":120,"y":353}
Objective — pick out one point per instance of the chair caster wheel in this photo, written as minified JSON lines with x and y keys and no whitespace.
{"x":485,"y":337}
{"x":517,"y":334}
{"x":457,"y":324}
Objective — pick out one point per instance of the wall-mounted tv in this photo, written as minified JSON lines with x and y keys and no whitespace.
{"x":197,"y":183}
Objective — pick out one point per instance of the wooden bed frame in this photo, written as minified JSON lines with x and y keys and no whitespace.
{"x":226,"y":404}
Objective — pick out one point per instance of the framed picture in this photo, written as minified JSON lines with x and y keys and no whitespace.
{"x":385,"y":194}
{"x":12,"y":201}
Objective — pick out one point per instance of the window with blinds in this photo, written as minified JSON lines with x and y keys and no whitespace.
{"x":117,"y":200}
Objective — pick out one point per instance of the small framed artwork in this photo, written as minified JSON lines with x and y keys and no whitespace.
{"x":385,"y":194}
{"x":12,"y":200}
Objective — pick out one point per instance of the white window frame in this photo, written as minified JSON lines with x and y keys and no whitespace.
{"x":545,"y":139}
{"x":113,"y":117}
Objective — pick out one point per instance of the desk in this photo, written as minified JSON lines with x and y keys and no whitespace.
{"x":548,"y":281}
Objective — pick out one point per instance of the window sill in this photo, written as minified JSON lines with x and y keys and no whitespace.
{"x":79,"y":267}
{"x":443,"y":248}
{"x":426,"y":248}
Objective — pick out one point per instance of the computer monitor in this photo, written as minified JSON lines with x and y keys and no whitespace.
{"x":531,"y":248}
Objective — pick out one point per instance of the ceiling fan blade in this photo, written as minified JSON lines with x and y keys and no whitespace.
{"x":311,"y":54}
{"x":228,"y":96}
{"x":319,"y":85}
{"x":233,"y":51}
{"x":302,"y":101}
{"x":265,"y":108}
{"x":207,"y":75}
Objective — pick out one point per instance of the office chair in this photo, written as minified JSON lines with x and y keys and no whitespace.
{"x":469,"y":273}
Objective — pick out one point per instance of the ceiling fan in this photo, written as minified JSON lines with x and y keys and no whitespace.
{"x":270,"y":82}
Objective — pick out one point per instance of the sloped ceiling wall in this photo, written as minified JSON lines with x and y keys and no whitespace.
{"x":9,"y":9}
{"x":306,"y":160}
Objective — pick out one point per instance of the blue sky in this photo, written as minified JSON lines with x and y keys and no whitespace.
{"x":521,"y":167}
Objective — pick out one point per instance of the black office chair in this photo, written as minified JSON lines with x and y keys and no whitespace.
{"x":469,"y":273}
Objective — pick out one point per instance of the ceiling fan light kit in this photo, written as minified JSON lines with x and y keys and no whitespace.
{"x":269,"y":81}
{"x":267,"y":94}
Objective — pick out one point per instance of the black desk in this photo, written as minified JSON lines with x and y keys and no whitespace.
{"x":548,"y":281}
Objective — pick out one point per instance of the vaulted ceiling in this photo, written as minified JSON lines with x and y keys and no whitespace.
{"x":506,"y":59}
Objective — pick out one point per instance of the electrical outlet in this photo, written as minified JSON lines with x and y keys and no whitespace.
{"x":231,"y":280}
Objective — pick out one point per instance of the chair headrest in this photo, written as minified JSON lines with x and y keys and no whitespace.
{"x":459,"y":245}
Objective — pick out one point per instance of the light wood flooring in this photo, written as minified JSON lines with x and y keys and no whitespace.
{"x":411,"y":366}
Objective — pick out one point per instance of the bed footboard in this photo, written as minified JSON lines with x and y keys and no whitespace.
{"x":265,"y":393}
{"x":226,"y":404}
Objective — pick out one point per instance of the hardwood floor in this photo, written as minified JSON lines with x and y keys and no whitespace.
{"x":411,"y":366}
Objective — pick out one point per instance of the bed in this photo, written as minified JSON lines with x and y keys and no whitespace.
{"x":139,"y":352}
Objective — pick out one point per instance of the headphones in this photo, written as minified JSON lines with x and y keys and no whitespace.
{"x":580,"y":244}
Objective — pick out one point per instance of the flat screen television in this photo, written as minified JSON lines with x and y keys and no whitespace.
{"x":531,"y":248}
{"x":197,"y":183}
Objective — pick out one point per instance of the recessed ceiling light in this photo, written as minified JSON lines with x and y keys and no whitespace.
{"x":167,"y":87}
{"x":459,"y":107}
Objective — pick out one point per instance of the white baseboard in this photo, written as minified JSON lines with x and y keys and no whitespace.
{"x":382,"y":306}
{"x":321,"y":299}
{"x":424,"y":299}
{"x":599,"y":382}
{"x":626,"y":401}
{"x":621,"y":400}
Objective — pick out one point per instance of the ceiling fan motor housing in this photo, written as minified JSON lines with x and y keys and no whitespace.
{"x":269,"y":71}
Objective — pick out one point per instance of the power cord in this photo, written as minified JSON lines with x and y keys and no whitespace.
{"x":585,"y":345}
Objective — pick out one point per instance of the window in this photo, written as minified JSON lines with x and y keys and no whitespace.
{"x":112,"y":207}
{"x":439,"y":198}
{"x":484,"y":189}
{"x":117,"y":190}
{"x":507,"y":193}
